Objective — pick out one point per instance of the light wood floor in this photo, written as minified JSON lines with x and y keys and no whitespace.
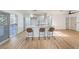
{"x":64,"y":39}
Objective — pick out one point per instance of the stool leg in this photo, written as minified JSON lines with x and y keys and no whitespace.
{"x":48,"y":35}
{"x":44,"y":36}
{"x":27,"y":37}
{"x":39,"y":35}
{"x":52,"y":34}
{"x":32,"y":35}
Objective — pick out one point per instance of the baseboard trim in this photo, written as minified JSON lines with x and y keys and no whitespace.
{"x":4,"y":41}
{"x":59,"y":29}
{"x":19,"y":33}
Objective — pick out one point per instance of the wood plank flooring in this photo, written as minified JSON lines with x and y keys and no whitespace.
{"x":64,"y":39}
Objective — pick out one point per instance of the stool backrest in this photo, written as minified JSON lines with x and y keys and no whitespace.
{"x":51,"y":29}
{"x":42,"y":30}
{"x":29,"y":30}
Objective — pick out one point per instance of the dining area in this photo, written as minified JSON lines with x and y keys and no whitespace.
{"x":39,"y":25}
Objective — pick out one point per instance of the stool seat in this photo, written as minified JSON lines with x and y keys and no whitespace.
{"x":42,"y":30}
{"x":29,"y":30}
{"x":51,"y":29}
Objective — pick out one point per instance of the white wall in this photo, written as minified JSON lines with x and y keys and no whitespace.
{"x":59,"y":18}
{"x":59,"y":21}
{"x":20,"y":19}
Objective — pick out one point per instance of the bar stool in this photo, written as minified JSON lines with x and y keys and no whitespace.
{"x":51,"y":29}
{"x":42,"y":30}
{"x":29,"y":30}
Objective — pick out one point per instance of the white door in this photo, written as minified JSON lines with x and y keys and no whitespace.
{"x":73,"y":23}
{"x":67,"y":22}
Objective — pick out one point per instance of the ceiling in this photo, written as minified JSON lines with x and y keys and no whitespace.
{"x":49,"y":12}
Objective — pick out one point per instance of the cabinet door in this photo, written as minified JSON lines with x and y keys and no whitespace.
{"x":4,"y":26}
